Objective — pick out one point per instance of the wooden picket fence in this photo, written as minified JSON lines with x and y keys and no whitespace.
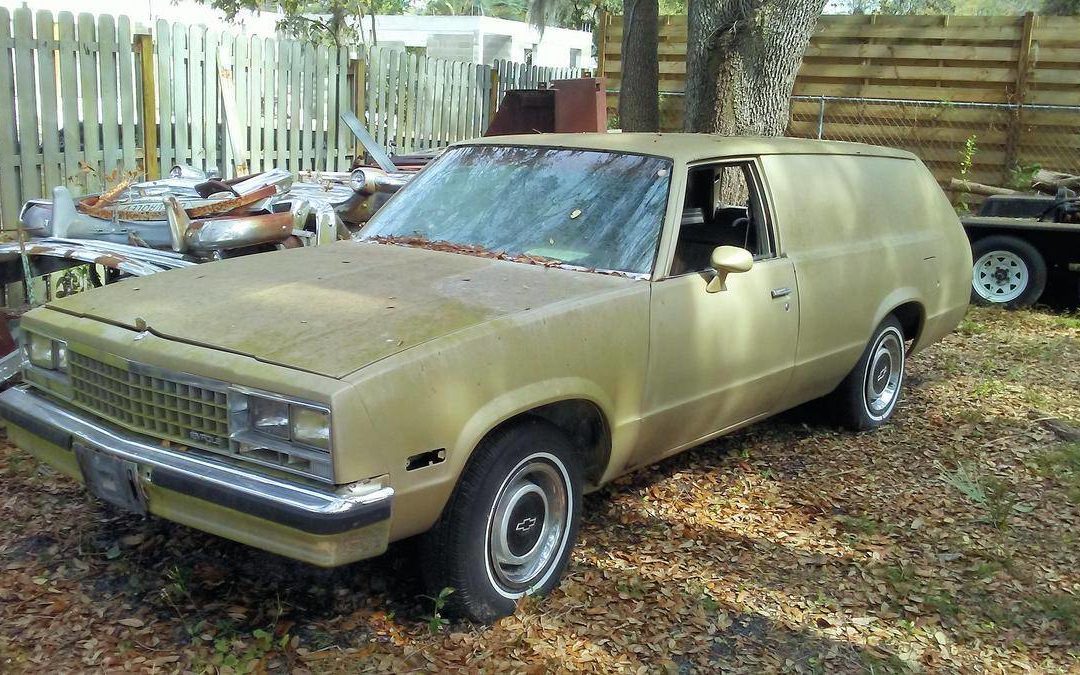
{"x":414,"y":103}
{"x":89,"y":100}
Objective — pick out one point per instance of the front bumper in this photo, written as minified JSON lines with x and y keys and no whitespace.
{"x":318,"y":526}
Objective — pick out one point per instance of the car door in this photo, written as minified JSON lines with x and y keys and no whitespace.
{"x":717,"y":359}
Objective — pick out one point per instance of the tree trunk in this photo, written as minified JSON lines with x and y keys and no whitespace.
{"x":742,"y":59}
{"x":639,"y":94}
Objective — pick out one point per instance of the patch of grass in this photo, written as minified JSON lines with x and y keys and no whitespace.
{"x":944,"y":605}
{"x":970,"y":416}
{"x":987,"y":569}
{"x":1063,"y":608}
{"x":1071,"y":322}
{"x":988,"y":388}
{"x":1062,"y":464}
{"x":859,"y":524}
{"x":989,"y":492}
{"x":900,"y":577}
{"x":970,"y":326}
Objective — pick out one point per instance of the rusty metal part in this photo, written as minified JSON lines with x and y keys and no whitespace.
{"x":221,"y":234}
{"x":374,"y":149}
{"x":110,"y":196}
{"x":132,"y":260}
{"x":370,"y":181}
{"x":566,"y":106}
{"x":213,"y":208}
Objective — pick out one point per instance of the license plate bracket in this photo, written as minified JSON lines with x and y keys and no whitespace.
{"x":110,"y":478}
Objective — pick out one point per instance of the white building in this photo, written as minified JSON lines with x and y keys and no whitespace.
{"x":482,"y":39}
{"x":146,"y":12}
{"x":475,"y":39}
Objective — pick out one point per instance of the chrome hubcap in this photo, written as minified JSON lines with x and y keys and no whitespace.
{"x":884,"y":371}
{"x":999,"y":276}
{"x":527,"y":528}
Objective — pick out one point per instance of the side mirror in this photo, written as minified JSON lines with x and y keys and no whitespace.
{"x":728,"y":260}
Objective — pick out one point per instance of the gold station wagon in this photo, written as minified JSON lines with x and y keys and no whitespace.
{"x":528,"y":319}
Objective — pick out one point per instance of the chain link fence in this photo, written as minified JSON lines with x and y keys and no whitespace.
{"x":990,"y":143}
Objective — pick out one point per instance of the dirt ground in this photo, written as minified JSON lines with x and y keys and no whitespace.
{"x":947,"y":541}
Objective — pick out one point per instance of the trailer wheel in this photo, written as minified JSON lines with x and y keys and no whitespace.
{"x":1007,"y":272}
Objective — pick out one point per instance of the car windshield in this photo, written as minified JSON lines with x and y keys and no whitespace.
{"x":594,"y":210}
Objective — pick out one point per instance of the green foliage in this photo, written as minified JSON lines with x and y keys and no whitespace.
{"x":989,"y":492}
{"x":967,"y":158}
{"x":435,"y":620}
{"x":1021,"y":176}
{"x":330,"y":22}
{"x":1062,"y":464}
{"x":1060,"y":7}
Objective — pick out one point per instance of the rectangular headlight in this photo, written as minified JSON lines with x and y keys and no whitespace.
{"x":269,"y":416}
{"x":310,"y":426}
{"x":45,"y":352}
{"x":294,"y":422}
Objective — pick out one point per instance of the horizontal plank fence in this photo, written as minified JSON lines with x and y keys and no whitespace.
{"x":925,"y":83}
{"x":90,"y":101}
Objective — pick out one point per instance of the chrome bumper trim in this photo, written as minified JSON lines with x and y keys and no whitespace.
{"x":291,"y":504}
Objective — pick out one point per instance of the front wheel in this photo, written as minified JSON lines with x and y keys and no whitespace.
{"x":510,"y":525}
{"x":1007,"y":272}
{"x":868,"y":396}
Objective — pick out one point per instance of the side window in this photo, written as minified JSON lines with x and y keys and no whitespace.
{"x":722,"y":207}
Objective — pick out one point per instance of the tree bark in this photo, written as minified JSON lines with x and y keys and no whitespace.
{"x":639,"y":94}
{"x":741,"y":62}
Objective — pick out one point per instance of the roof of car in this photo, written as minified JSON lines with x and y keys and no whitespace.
{"x":692,"y":147}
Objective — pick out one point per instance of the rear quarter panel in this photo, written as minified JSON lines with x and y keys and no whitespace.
{"x":866,"y":234}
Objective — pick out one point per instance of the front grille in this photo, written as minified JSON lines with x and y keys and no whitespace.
{"x":157,"y":404}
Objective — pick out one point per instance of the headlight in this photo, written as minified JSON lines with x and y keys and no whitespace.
{"x":45,"y":352}
{"x":269,"y":416}
{"x":310,"y":427}
{"x":295,"y":422}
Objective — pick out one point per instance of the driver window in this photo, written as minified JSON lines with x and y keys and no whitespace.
{"x":721,"y":208}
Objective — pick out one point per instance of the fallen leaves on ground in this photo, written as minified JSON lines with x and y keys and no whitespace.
{"x":946,"y":541}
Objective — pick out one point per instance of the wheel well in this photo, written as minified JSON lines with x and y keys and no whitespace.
{"x":911,"y":317}
{"x":585,"y":426}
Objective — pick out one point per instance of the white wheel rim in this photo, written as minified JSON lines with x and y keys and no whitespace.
{"x":529,"y":525}
{"x":1000,"y":276}
{"x":884,"y":374}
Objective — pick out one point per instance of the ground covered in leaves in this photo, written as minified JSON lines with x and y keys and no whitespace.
{"x":947,"y":541}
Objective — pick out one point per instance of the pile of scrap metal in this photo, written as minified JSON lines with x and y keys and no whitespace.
{"x":142,"y":228}
{"x":138,"y":229}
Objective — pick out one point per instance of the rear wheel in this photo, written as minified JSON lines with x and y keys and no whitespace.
{"x":1007,"y":272}
{"x":869,"y":394}
{"x":510,"y":526}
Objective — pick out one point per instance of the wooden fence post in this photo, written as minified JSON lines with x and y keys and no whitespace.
{"x":360,"y":107}
{"x":602,"y":20}
{"x":493,"y":96}
{"x":1016,"y":123}
{"x":144,"y":45}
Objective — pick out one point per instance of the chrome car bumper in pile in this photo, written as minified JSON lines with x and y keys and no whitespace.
{"x":323,"y":526}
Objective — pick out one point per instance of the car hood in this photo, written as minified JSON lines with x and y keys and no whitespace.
{"x":331,"y":309}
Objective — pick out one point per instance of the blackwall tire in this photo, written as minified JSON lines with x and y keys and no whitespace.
{"x":510,"y":525}
{"x":1006,"y":272}
{"x":868,"y":396}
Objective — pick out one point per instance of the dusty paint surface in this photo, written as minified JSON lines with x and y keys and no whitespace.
{"x":333,"y":309}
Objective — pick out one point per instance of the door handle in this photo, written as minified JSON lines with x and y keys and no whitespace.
{"x":781,"y":292}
